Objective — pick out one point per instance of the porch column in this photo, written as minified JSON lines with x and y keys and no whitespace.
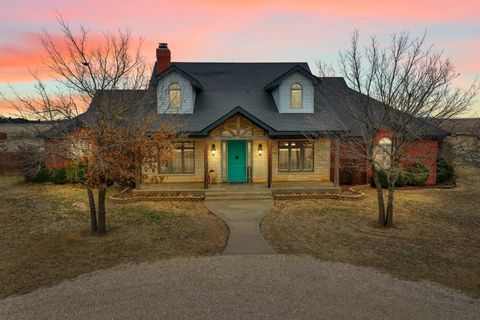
{"x":205,"y":165}
{"x":269,"y":151}
{"x":336,"y":167}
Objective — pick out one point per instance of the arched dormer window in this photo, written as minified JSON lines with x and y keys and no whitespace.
{"x":296,"y":96}
{"x":382,"y":156}
{"x":174,"y":96}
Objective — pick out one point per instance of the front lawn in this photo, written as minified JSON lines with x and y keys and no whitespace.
{"x":436,"y":235}
{"x":44,"y":234}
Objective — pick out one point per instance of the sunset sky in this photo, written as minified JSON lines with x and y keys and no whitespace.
{"x":246,"y":30}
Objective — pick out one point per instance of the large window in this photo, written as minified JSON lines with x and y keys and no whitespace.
{"x":183,"y":159}
{"x":296,"y":96}
{"x":382,"y":153}
{"x":175,"y":96}
{"x":295,"y":156}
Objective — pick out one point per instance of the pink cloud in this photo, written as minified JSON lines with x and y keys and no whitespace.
{"x":247,"y":30}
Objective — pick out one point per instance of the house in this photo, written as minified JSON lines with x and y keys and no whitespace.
{"x":464,"y":138}
{"x":259,"y":123}
{"x":17,"y":136}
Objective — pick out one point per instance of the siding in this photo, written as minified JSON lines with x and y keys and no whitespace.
{"x":187,"y":92}
{"x":321,"y":166}
{"x":282,"y":96}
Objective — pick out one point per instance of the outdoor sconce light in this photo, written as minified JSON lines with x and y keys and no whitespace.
{"x":214,"y":150}
{"x":260,"y":149}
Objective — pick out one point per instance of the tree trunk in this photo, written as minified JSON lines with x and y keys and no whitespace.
{"x":102,"y":226}
{"x":381,"y":203}
{"x":93,"y":212}
{"x":389,"y":221}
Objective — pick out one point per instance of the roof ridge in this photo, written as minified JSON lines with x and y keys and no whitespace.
{"x":243,"y":62}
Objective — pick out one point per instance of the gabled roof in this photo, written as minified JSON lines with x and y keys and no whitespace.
{"x":231,"y":88}
{"x":228,"y":115}
{"x":276,"y":82}
{"x":174,"y":68}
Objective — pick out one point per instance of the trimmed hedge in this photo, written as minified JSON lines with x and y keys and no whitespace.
{"x":75,"y":173}
{"x":445,"y":172}
{"x":59,"y":176}
{"x":382,"y":174}
{"x":417,"y":174}
{"x":43,"y":175}
{"x":62,"y":175}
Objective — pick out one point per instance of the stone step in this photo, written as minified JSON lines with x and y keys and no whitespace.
{"x":238,"y":197}
{"x":238,"y":192}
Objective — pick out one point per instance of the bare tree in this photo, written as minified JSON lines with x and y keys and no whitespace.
{"x":118,"y":132}
{"x":403,"y":88}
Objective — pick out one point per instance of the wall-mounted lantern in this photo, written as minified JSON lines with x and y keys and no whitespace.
{"x":260,"y":149}
{"x":214,"y":150}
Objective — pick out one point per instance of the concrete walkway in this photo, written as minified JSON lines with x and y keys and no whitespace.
{"x":243,"y":218}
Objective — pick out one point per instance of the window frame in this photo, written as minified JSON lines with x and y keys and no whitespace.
{"x":302,"y":144}
{"x":178,"y":91}
{"x":181,"y":146}
{"x":298,"y":90}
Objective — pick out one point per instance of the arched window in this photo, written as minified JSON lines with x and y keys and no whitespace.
{"x":175,"y":96}
{"x":383,"y":150}
{"x":296,"y":95}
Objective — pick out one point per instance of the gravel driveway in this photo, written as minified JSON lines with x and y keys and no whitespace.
{"x":240,"y":287}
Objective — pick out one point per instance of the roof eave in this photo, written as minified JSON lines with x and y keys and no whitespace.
{"x":275,"y":83}
{"x":173,"y":68}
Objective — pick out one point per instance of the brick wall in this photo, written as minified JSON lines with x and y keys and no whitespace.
{"x":424,"y":151}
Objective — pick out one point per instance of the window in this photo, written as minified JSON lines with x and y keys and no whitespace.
{"x":175,"y":96}
{"x":183,"y":159}
{"x":296,"y":96}
{"x":382,"y":153}
{"x":295,"y":156}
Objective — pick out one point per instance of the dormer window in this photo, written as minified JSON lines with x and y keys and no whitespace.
{"x":296,"y":94}
{"x":175,"y":96}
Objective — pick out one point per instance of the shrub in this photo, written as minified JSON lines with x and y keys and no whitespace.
{"x":74,"y":172}
{"x":401,"y":180}
{"x":445,"y":172}
{"x":417,"y":174}
{"x":59,"y":176}
{"x":42,"y":175}
{"x":382,"y":174}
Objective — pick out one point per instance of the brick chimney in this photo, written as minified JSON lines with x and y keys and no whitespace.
{"x":163,"y":57}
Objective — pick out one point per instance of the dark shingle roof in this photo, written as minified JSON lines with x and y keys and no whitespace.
{"x":229,"y":88}
{"x":462,"y":126}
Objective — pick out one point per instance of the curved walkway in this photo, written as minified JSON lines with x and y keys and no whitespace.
{"x":243,"y":218}
{"x":240,"y":287}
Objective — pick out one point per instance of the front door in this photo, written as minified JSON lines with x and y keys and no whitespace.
{"x":237,"y":161}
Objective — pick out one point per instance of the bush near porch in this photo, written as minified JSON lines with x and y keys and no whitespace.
{"x":44,"y":234}
{"x":436,"y":235}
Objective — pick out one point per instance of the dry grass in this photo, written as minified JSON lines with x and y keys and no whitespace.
{"x":44,"y":235}
{"x":436,"y":235}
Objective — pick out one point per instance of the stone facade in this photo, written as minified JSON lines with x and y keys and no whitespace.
{"x":240,"y":128}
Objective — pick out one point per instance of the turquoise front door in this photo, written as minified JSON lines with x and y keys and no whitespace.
{"x":237,"y":161}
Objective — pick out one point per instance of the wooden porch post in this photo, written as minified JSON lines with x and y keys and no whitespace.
{"x":269,"y":151}
{"x":336,"y":168}
{"x":205,"y":165}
